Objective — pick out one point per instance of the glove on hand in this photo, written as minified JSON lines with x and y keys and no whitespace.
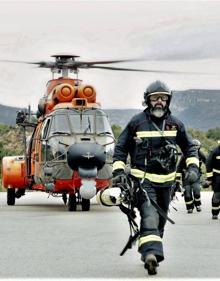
{"x":192,"y":174}
{"x":206,"y":183}
{"x":178,"y":187}
{"x":119,"y":178}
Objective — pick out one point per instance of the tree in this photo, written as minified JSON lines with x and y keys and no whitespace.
{"x":116,"y":130}
{"x":213,"y":133}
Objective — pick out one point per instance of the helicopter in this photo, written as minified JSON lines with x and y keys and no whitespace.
{"x":70,"y":148}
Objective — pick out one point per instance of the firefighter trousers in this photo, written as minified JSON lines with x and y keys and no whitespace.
{"x":152,"y":223}
{"x":192,"y":195}
{"x":215,"y":203}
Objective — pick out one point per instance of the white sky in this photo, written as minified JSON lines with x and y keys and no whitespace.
{"x":169,"y":35}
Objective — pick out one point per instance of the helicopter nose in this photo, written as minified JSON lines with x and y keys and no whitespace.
{"x":86,"y":156}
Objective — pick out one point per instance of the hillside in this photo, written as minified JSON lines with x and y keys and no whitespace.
{"x":198,"y":109}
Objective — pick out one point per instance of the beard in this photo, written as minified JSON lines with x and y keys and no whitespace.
{"x":158,"y":112}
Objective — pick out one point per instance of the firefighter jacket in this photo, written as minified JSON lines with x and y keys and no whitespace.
{"x":181,"y":167}
{"x":213,"y":168}
{"x":147,"y":140}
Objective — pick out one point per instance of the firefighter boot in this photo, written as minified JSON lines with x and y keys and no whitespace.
{"x":151,"y":264}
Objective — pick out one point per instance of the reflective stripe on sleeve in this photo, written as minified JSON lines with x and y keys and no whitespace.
{"x":209,"y":175}
{"x":118,"y":165}
{"x":192,"y":160}
{"x":156,"y":134}
{"x":216,"y":171}
{"x":149,"y":238}
{"x":153,"y":177}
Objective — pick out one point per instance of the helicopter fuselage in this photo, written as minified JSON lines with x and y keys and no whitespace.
{"x":71,"y":147}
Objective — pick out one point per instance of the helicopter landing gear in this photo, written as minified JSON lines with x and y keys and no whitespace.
{"x":20,"y":192}
{"x":72,"y":202}
{"x":11,"y":196}
{"x":85,"y":204}
{"x":64,"y":197}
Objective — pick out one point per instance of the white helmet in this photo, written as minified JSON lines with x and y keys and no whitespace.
{"x":109,"y":196}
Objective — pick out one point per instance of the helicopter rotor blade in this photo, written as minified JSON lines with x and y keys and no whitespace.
{"x":110,"y":61}
{"x":75,"y":65}
{"x":45,"y":64}
{"x":145,"y":70}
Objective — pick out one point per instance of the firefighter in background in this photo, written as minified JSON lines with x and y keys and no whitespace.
{"x":149,"y":139}
{"x":192,"y":194}
{"x":213,"y":179}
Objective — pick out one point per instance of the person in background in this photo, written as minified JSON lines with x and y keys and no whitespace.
{"x":192,"y":195}
{"x":150,"y":139}
{"x":213,"y":179}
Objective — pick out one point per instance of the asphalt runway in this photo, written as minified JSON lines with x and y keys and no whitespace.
{"x":40,"y":239}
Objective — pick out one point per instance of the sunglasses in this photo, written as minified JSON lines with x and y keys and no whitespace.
{"x":157,"y":97}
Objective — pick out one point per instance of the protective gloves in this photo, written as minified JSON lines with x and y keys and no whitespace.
{"x":178,"y":187}
{"x":206,"y":183}
{"x":192,"y":173}
{"x":119,"y":177}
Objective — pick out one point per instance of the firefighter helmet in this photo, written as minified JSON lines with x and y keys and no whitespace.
{"x":197,"y":143}
{"x":109,"y":196}
{"x":156,"y":88}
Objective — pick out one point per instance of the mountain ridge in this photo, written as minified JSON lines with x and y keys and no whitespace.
{"x":197,"y":109}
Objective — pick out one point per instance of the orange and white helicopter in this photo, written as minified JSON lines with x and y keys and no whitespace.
{"x":69,"y":153}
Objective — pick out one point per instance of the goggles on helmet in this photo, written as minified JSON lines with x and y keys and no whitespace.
{"x":155,"y":97}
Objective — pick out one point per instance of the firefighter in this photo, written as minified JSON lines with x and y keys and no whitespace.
{"x":213,"y":179}
{"x":192,"y":195}
{"x":149,"y":139}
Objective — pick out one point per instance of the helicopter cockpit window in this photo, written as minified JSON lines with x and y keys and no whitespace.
{"x":45,"y":129}
{"x":60,"y":125}
{"x":53,"y":131}
{"x":90,"y":121}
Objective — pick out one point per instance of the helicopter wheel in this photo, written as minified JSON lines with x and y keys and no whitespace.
{"x":64,"y":197}
{"x":11,"y":196}
{"x":85,"y":204}
{"x":72,"y":202}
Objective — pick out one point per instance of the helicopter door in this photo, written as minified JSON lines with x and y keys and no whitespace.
{"x":40,"y":149}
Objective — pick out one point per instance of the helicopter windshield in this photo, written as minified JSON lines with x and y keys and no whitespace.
{"x":59,"y":130}
{"x":89,"y":121}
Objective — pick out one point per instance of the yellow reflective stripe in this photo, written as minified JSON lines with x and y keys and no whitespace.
{"x":216,"y":171}
{"x":153,"y":177}
{"x":179,"y":175}
{"x":210,"y":174}
{"x":192,"y":160}
{"x":189,"y":202}
{"x":197,"y":199}
{"x":215,"y":208}
{"x":218,"y":157}
{"x":156,"y":134}
{"x":149,"y":238}
{"x":118,"y":165}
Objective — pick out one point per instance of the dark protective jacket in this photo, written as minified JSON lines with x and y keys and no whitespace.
{"x":145,"y":139}
{"x":213,"y":168}
{"x":181,"y":167}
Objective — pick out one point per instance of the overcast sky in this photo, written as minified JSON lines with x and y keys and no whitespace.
{"x":168,"y":35}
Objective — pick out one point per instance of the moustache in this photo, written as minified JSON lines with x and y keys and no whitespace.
{"x":158,"y":105}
